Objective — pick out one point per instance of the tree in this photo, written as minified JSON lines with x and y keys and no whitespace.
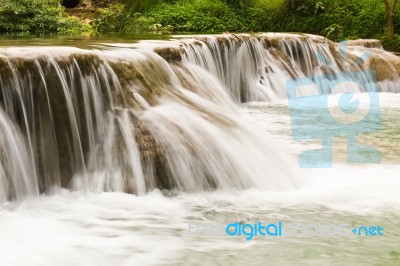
{"x":390,"y":17}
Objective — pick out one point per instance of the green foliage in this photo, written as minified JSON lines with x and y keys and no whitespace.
{"x":72,"y":25}
{"x":240,"y":3}
{"x":294,"y":4}
{"x":117,"y":19}
{"x":334,"y":32}
{"x":35,"y":16}
{"x":336,"y":19}
{"x":138,"y":6}
{"x":197,"y":16}
{"x":390,"y":45}
{"x":29,"y":16}
{"x":112,"y":19}
{"x":358,"y":19}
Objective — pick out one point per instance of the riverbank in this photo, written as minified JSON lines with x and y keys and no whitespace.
{"x":336,"y":19}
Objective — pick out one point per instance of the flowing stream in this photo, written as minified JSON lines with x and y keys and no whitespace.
{"x":109,"y":152}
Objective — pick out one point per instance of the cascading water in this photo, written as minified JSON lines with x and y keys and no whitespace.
{"x":257,"y":67}
{"x":178,"y":116}
{"x":130,"y":120}
{"x":17,"y":174}
{"x":126,"y":120}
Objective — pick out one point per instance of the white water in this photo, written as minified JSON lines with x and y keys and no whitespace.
{"x":126,"y":120}
{"x":17,"y":176}
{"x":72,"y":228}
{"x":226,"y":163}
{"x":257,"y":68}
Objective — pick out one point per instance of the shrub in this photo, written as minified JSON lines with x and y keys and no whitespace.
{"x":390,"y":45}
{"x":112,"y":19}
{"x":139,"y":6}
{"x":336,"y":19}
{"x":117,"y":19}
{"x":35,"y":16}
{"x":197,"y":16}
{"x":72,"y":25}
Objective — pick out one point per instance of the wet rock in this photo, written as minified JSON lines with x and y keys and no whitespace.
{"x":367,"y":43}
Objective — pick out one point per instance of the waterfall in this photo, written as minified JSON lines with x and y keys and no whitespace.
{"x":257,"y":67}
{"x":156,"y":115}
{"x":17,"y":175}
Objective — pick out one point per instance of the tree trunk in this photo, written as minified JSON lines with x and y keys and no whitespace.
{"x":390,"y":27}
{"x":390,"y":18}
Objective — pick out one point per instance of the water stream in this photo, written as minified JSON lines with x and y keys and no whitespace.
{"x":108,"y":152}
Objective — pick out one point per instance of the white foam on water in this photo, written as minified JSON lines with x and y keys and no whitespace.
{"x":71,"y":228}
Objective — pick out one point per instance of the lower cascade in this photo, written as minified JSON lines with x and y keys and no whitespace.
{"x":159,"y":114}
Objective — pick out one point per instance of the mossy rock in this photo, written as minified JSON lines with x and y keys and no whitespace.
{"x":87,"y":62}
{"x":170,"y":54}
{"x":386,"y":67}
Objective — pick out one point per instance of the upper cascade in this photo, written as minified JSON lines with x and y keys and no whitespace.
{"x":257,"y":67}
